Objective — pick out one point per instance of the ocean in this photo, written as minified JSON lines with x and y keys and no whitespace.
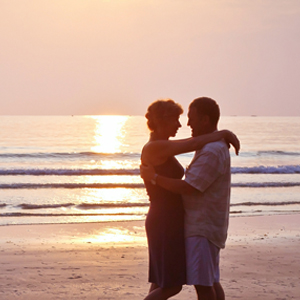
{"x":73,"y":169}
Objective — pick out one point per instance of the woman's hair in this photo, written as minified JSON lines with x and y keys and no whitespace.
{"x":160,"y":110}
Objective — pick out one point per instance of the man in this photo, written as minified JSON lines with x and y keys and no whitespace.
{"x":206,"y":197}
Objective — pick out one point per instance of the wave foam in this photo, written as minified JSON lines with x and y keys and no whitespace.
{"x":288,"y":169}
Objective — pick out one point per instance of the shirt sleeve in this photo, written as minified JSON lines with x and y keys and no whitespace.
{"x":204,"y":170}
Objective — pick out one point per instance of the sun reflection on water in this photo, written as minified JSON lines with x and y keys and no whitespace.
{"x":116,"y":195}
{"x":109,"y":133}
{"x":111,"y":137}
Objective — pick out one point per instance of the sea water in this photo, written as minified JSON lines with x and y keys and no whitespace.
{"x":68,"y":169}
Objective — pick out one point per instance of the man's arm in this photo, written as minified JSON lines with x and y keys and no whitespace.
{"x":177,"y":186}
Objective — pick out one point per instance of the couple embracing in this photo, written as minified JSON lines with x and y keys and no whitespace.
{"x":187,"y":221}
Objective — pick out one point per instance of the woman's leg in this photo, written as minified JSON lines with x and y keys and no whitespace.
{"x":153,"y":287}
{"x":163,"y":293}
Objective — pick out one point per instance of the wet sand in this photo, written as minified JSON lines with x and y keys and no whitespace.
{"x":109,"y":260}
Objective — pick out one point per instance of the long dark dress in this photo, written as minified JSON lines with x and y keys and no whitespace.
{"x":165,"y":232}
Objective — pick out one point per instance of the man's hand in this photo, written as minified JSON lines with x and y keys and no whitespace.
{"x":147,"y":172}
{"x":177,"y":186}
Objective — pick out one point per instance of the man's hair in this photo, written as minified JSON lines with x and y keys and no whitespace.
{"x":207,"y":107}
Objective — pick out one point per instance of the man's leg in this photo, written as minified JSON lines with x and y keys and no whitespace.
{"x":203,"y":268}
{"x":205,"y":292}
{"x":214,"y":292}
{"x":220,"y":295}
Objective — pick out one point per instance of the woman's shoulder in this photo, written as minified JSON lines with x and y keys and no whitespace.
{"x":146,"y":148}
{"x":154,"y":146}
{"x":147,"y":152}
{"x":152,"y":153}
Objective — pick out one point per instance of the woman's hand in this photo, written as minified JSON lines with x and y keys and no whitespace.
{"x":147,"y":172}
{"x":232,"y":139}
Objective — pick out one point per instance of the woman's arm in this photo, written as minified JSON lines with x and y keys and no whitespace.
{"x":158,"y":151}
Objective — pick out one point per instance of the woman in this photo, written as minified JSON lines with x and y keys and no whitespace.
{"x":164,"y":222}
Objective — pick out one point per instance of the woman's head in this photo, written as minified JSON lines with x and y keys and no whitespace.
{"x":160,"y":112}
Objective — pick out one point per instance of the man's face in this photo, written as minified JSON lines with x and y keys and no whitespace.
{"x":196,"y":122}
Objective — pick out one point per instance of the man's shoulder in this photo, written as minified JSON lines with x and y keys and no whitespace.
{"x":215,"y":147}
{"x":215,"y":150}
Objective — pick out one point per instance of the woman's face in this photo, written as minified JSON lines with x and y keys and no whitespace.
{"x":170,"y":125}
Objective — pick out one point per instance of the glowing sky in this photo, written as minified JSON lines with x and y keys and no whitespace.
{"x":115,"y":57}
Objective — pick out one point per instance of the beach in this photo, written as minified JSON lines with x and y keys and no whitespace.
{"x":109,"y":260}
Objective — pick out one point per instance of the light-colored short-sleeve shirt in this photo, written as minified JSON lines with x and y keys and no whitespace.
{"x":207,"y":209}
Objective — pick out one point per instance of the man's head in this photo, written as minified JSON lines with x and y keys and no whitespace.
{"x":203,"y":116}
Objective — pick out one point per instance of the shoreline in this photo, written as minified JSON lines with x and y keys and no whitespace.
{"x":109,"y":260}
{"x":232,"y":216}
